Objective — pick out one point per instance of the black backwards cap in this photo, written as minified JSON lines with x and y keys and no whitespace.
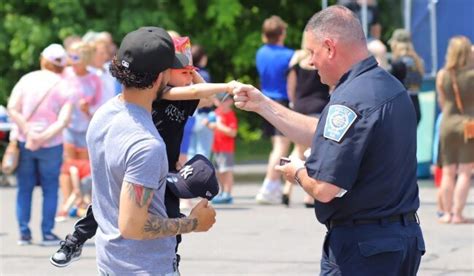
{"x":147,"y":50}
{"x":197,"y":178}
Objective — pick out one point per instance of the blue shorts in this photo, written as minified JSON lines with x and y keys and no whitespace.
{"x":76,"y":138}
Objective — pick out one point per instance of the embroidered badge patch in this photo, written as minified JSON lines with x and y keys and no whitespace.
{"x":339,"y":120}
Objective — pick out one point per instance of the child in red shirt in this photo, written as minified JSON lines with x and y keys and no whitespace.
{"x":225,"y":130}
{"x":75,"y":173}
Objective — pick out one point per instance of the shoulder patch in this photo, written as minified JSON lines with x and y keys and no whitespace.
{"x":338,"y":121}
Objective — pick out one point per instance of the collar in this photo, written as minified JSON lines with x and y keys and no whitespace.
{"x":358,"y":69}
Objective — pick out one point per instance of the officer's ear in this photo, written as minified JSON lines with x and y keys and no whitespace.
{"x":330,"y":46}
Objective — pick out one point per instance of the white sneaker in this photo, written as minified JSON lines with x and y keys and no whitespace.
{"x":269,"y":197}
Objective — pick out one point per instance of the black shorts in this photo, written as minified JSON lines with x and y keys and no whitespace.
{"x":268,"y":129}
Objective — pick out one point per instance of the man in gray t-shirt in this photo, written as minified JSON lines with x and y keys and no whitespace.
{"x":129,"y":166}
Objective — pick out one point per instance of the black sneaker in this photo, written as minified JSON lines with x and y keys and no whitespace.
{"x":24,"y":240}
{"x":70,"y":251}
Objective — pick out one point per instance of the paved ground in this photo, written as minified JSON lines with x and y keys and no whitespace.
{"x":247,"y":239}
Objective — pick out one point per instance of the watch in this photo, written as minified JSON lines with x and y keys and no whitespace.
{"x":297,"y":179}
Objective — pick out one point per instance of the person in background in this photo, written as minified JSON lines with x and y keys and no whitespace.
{"x":457,"y":153}
{"x":436,"y":167}
{"x":403,"y":50}
{"x":310,"y":97}
{"x":40,"y":109}
{"x":374,"y":27}
{"x":272,"y":61}
{"x":105,"y":49}
{"x":379,"y":51}
{"x":223,"y":148}
{"x":85,"y":89}
{"x":100,"y":66}
{"x":75,"y":175}
{"x":201,"y":136}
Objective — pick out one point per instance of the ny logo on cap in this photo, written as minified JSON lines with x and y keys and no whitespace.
{"x":208,"y":194}
{"x":186,"y":171}
{"x":125,"y":64}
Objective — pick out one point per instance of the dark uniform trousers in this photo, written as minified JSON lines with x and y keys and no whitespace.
{"x":385,"y":248}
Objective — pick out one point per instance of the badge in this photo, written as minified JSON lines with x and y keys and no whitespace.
{"x":339,"y":120}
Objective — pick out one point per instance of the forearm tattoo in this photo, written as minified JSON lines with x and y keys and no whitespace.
{"x":156,"y":227}
{"x":139,"y":194}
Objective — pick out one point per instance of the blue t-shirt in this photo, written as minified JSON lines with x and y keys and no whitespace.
{"x":365,"y":143}
{"x":272,"y":65}
{"x":124,"y":145}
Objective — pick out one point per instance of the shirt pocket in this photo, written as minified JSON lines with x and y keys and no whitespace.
{"x":421,"y":245}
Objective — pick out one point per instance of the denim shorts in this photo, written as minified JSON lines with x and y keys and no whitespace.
{"x":76,"y":138}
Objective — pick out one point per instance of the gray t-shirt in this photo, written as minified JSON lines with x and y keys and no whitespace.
{"x":124,"y":145}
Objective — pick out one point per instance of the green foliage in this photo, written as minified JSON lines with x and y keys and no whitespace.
{"x":229,"y":30}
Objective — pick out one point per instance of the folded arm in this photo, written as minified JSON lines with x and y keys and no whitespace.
{"x":64,"y":117}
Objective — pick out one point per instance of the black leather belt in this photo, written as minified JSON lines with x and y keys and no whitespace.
{"x":404,"y":218}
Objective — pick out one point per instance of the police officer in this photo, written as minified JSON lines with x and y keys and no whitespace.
{"x":362,"y":168}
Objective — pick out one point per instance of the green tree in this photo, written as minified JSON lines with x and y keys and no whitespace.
{"x":229,"y":30}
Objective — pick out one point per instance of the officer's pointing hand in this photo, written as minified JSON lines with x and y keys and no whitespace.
{"x":248,"y":98}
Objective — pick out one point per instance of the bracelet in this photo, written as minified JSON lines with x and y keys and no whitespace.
{"x":297,"y":179}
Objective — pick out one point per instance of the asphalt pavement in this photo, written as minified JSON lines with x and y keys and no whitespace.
{"x":248,"y":239}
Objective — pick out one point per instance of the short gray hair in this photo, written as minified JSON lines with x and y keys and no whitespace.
{"x":338,"y":22}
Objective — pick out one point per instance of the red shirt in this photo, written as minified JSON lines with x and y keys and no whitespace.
{"x":222,"y":142}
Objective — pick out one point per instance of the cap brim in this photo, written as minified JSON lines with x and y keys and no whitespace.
{"x":180,"y":61}
{"x":177,"y":185}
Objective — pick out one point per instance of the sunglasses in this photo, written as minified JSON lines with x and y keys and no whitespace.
{"x":74,"y":57}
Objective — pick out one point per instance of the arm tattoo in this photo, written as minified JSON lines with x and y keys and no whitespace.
{"x":188,"y":225}
{"x":156,"y":227}
{"x":139,"y":194}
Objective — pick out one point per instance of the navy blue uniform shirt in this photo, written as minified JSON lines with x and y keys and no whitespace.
{"x":365,"y":143}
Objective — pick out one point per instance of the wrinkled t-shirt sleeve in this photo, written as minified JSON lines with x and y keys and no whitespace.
{"x":142,"y":164}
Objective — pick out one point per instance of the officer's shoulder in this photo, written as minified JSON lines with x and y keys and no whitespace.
{"x":370,"y":91}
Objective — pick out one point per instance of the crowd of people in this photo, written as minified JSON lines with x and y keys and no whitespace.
{"x":145,"y":123}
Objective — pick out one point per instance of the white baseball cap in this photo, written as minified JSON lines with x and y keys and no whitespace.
{"x":56,"y":54}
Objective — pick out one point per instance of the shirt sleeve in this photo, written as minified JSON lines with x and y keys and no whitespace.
{"x":338,"y":163}
{"x":141,"y":164}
